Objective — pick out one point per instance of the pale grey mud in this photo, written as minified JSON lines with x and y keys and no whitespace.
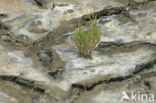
{"x":39,"y":61}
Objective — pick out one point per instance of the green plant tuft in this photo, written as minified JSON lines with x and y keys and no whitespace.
{"x":87,"y":38}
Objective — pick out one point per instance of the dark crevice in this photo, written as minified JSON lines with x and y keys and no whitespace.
{"x":3,"y":16}
{"x":22,"y":82}
{"x":142,"y":67}
{"x":38,"y":3}
{"x":8,"y":78}
{"x":56,"y":73}
{"x":39,"y":89}
{"x":102,"y":46}
{"x":138,"y":69}
{"x":104,"y":12}
{"x":10,"y":38}
{"x":88,"y":88}
{"x":4,"y":26}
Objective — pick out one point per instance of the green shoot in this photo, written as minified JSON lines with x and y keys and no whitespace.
{"x":87,"y":38}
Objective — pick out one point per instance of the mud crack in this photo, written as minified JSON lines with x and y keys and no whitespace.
{"x":10,"y":38}
{"x":3,"y":16}
{"x":104,"y":46}
{"x":104,"y":12}
{"x":22,"y":82}
{"x":40,"y":3}
{"x":138,"y":69}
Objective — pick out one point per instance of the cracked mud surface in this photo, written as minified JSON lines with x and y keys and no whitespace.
{"x":39,"y":62}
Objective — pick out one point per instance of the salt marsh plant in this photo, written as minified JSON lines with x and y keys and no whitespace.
{"x":86,"y":38}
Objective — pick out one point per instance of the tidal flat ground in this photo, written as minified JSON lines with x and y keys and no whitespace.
{"x":39,"y":61}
